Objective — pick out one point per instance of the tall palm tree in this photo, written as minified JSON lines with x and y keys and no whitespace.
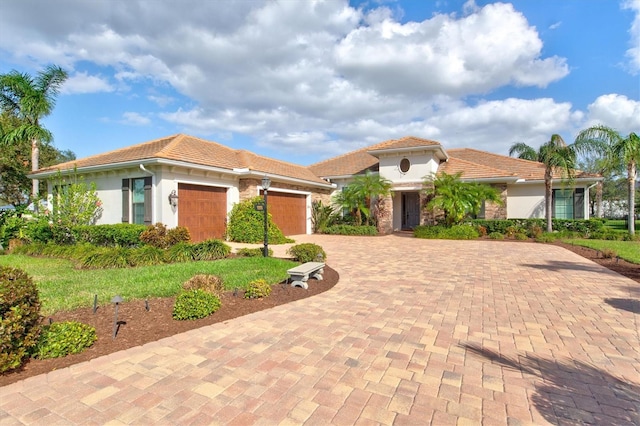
{"x":556,"y":155}
{"x":623,"y":151}
{"x":30,"y":99}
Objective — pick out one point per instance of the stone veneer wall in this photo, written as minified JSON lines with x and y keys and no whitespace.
{"x":495,"y":211}
{"x":248,"y":189}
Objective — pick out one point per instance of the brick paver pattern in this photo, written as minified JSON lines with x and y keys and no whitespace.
{"x":415,"y":332}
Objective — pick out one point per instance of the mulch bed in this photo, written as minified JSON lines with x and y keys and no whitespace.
{"x":141,"y":326}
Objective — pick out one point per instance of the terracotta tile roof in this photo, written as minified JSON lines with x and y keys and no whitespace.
{"x":471,"y":170}
{"x":523,"y":169}
{"x":406,"y":142}
{"x":192,"y":150}
{"x":359,"y":161}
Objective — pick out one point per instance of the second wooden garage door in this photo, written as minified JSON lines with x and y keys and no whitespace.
{"x":289,"y":212}
{"x":202,"y":210}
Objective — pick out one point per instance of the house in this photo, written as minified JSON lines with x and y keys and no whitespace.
{"x":406,"y":162}
{"x":135,"y":184}
{"x":140,"y":183}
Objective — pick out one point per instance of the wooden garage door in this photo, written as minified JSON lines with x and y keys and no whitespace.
{"x":203,"y":210}
{"x":289,"y":212}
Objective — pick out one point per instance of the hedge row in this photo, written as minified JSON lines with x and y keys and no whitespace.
{"x":506,"y":226}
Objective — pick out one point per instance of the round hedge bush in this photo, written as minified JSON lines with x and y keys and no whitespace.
{"x":195,"y":304}
{"x":257,"y":289}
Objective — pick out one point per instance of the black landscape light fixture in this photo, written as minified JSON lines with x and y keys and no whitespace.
{"x":173,"y":198}
{"x":116,"y":300}
{"x":266,"y":183}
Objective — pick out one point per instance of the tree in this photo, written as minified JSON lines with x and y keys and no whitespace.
{"x":363,"y":196}
{"x":624,"y":151}
{"x":371,"y":187}
{"x":556,"y":156}
{"x":29,"y":100}
{"x":458,"y":199}
{"x":15,"y":162}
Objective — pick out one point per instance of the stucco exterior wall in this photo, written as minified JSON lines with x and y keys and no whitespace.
{"x":422,"y":165}
{"x":525,"y":201}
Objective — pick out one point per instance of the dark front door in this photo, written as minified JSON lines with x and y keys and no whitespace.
{"x":410,"y":210}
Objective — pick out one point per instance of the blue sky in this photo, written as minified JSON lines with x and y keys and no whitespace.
{"x":302,"y":81}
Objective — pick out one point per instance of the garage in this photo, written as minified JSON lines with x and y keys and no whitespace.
{"x":289,"y":212}
{"x":202,"y":210}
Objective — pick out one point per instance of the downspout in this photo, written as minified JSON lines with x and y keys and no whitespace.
{"x":587,"y":194}
{"x":153,"y":191}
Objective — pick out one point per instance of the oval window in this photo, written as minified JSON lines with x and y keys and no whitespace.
{"x":405,"y":164}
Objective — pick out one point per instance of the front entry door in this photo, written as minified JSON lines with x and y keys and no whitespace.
{"x":410,"y":210}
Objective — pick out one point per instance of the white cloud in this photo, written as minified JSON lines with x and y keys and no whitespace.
{"x":634,"y":52}
{"x":82,"y":82}
{"x":319,"y":75}
{"x":135,"y":119}
{"x":443,"y":55}
{"x":615,"y":111}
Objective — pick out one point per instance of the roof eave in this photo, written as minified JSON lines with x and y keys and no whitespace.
{"x":444,"y":156}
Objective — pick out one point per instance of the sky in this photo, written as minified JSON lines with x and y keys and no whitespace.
{"x":303,"y":80}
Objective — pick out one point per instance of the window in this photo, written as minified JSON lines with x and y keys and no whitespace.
{"x":568,"y":203}
{"x":136,"y":201}
{"x":405,"y":165}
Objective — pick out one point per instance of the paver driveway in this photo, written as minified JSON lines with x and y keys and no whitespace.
{"x":415,"y":332}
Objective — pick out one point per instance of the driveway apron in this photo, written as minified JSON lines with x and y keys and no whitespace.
{"x":415,"y":332}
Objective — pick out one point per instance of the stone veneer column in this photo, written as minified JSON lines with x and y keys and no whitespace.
{"x":385,"y":215}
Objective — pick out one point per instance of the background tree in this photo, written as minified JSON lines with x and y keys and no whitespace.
{"x":15,"y":165}
{"x":458,"y":199}
{"x":624,"y":151}
{"x":30,"y":100}
{"x":556,"y":156}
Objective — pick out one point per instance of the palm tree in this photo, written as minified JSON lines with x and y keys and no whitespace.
{"x":556,"y":156}
{"x":458,"y":199}
{"x":30,"y":99}
{"x":363,"y":195}
{"x":623,"y":151}
{"x":371,"y":187}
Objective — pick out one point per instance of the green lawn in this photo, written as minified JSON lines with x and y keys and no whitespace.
{"x":620,"y":225}
{"x":627,"y":250}
{"x":62,"y":287}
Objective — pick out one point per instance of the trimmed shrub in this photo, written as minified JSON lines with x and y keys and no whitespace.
{"x":210,"y":283}
{"x":252,"y":252}
{"x":496,"y":235}
{"x":63,"y":338}
{"x":195,"y":304}
{"x":257,"y":289}
{"x":351,"y":230}
{"x":176,"y":235}
{"x":521,"y":236}
{"x":456,"y":232}
{"x":246,"y":225}
{"x":118,"y":235}
{"x":210,"y":250}
{"x":158,"y":236}
{"x":307,"y":252}
{"x":20,"y":316}
{"x":583,"y":226}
